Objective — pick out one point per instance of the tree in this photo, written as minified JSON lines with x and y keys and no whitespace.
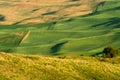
{"x":110,"y":52}
{"x":2,"y":18}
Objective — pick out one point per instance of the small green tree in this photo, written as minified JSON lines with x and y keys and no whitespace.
{"x":2,"y":18}
{"x":110,"y":52}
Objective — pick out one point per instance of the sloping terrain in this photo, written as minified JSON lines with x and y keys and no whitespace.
{"x":67,"y":35}
{"x":63,"y":31}
{"x":36,"y":67}
{"x":40,"y":11}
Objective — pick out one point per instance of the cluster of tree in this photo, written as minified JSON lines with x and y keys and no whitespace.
{"x":111,"y":52}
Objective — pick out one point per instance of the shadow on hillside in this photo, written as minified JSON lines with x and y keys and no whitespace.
{"x":57,"y":47}
{"x":25,"y":26}
{"x":99,"y":12}
{"x":97,"y":54}
{"x":112,"y":22}
{"x":50,"y":13}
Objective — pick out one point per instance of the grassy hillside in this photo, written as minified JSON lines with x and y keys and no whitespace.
{"x":84,"y":34}
{"x":36,"y":67}
{"x":61,"y":30}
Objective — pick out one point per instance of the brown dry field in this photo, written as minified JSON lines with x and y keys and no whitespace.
{"x":40,"y":11}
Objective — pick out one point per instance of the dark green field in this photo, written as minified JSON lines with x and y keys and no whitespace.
{"x":87,"y":34}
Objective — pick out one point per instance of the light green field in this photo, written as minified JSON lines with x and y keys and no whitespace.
{"x":86,"y":35}
{"x":36,"y":67}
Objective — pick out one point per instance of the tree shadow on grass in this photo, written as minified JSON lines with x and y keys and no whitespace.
{"x":97,"y":54}
{"x":57,"y":47}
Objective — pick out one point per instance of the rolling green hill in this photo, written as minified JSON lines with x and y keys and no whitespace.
{"x":63,"y":31}
{"x":67,"y":35}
